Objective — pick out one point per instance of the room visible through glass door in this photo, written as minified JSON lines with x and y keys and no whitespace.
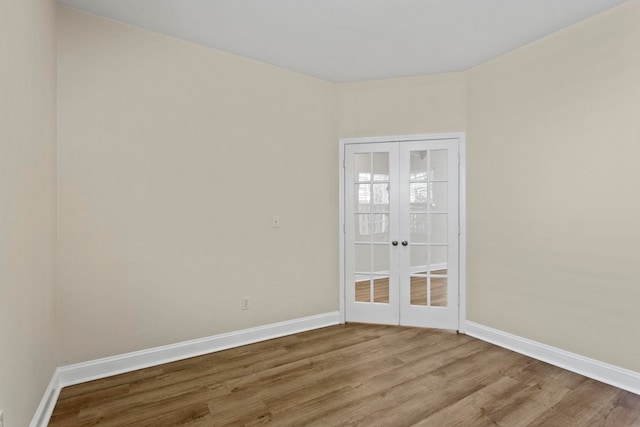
{"x":372,"y":212}
{"x":429,"y":223}
{"x":401,"y":233}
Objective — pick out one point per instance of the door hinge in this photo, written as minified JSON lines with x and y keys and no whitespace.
{"x":344,"y":164}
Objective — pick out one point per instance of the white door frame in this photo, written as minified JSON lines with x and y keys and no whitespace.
{"x":462,"y":276}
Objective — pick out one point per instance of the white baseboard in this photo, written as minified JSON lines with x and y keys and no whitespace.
{"x":101,"y":368}
{"x":600,"y":371}
{"x":48,"y":402}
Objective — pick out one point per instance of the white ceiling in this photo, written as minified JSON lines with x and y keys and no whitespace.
{"x":355,"y":40}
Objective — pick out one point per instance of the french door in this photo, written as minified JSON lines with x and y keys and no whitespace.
{"x":401,"y":233}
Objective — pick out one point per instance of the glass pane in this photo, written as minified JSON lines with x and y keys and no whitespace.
{"x":362,"y":165}
{"x":418,"y":196}
{"x":381,"y":259}
{"x":438,"y":196}
{"x":363,"y":291}
{"x":380,"y":227}
{"x":438,"y":228}
{"x":362,"y":255}
{"x":439,"y":291}
{"x":438,"y":259}
{"x":418,"y":257}
{"x":438,"y":165}
{"x":419,"y":166}
{"x":381,"y":290}
{"x":381,"y":197}
{"x":362,"y":197}
{"x":418,"y":228}
{"x":381,"y":166}
{"x":362,"y":228}
{"x":418,"y":291}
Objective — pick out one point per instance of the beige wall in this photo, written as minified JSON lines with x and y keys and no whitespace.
{"x":552,"y":142}
{"x":553,"y":206}
{"x":403,"y":106}
{"x":27,"y":205}
{"x":173,"y":158}
{"x":410,"y":105}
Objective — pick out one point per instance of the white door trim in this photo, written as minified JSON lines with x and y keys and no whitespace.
{"x":460,"y":136}
{"x":462,"y":240}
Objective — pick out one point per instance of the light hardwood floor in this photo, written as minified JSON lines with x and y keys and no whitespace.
{"x":352,"y":374}
{"x":418,"y":290}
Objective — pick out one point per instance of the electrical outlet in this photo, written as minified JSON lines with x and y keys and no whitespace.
{"x":275,"y":221}
{"x":245,"y":306}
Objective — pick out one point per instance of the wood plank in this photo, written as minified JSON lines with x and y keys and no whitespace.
{"x":354,"y":374}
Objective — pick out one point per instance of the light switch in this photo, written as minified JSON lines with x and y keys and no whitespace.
{"x":275,"y":221}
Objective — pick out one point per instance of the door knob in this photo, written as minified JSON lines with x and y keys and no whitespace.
{"x":394,"y":243}
{"x":405,"y":243}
